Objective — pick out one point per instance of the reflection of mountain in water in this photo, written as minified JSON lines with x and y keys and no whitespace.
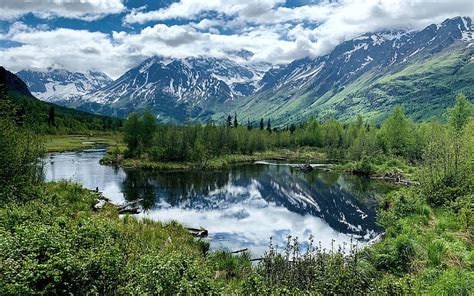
{"x":326,"y":195}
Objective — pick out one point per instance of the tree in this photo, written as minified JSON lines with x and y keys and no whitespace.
{"x":269,"y":126}
{"x":292,"y":128}
{"x":235,"y":120}
{"x":148,"y":128}
{"x":262,"y":124}
{"x":229,"y":121}
{"x":20,"y":157}
{"x":397,"y":133}
{"x":458,"y":117}
{"x":51,"y":116}
{"x":249,"y":125}
{"x":131,"y":134}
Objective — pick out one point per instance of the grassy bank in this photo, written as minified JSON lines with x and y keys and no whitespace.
{"x":311,"y":155}
{"x":61,"y":143}
{"x":56,"y":244}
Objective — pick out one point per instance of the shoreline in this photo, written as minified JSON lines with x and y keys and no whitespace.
{"x":393,"y":174}
{"x":221,"y":162}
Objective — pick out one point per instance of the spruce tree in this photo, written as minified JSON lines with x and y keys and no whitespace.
{"x":269,"y":126}
{"x":229,"y":121}
{"x":235,"y":120}
{"x":262,"y":124}
{"x":51,"y":116}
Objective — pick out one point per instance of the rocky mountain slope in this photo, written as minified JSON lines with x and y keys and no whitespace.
{"x":62,"y":86}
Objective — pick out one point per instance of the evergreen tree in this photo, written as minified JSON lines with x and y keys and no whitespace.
{"x":262,"y":124}
{"x":249,"y":125}
{"x":229,"y":121}
{"x":269,"y":126}
{"x":235,"y":120}
{"x":51,"y":116}
{"x":292,"y":128}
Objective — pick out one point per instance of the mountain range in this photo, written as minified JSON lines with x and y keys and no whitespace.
{"x":61,"y":86}
{"x":369,"y":75}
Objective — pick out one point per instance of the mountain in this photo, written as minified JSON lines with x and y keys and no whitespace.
{"x":37,"y":114}
{"x":62,"y":86}
{"x":176,"y":89}
{"x":369,"y":75}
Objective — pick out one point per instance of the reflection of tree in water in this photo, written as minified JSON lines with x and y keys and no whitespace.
{"x":137,"y":184}
{"x":176,"y":187}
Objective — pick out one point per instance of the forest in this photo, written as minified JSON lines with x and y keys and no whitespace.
{"x":363,"y":143}
{"x":53,"y":242}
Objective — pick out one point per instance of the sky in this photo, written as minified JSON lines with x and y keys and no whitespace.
{"x":113,"y":36}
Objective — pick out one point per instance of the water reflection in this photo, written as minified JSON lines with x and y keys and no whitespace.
{"x":242,"y":206}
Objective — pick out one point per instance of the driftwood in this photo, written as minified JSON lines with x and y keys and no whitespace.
{"x":257,"y":259}
{"x":239,"y":251}
{"x":197,"y":232}
{"x":132,"y":207}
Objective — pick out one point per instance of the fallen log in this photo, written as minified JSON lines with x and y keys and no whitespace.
{"x":239,"y":251}
{"x":257,"y":259}
{"x":197,"y":232}
{"x":132,"y":207}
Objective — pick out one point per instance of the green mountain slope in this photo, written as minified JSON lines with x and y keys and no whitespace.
{"x":425,"y":87}
{"x":50,"y":118}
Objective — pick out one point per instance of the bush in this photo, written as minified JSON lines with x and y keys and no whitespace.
{"x":395,"y":254}
{"x":314,"y":271}
{"x":55,"y":244}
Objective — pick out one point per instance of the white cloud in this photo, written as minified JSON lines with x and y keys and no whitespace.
{"x":76,"y":9}
{"x":273,"y":33}
{"x":190,"y":9}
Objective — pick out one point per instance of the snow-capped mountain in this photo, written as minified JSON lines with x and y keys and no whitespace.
{"x":371,"y":74}
{"x":177,"y":88}
{"x":62,"y":86}
{"x":421,"y":70}
{"x":376,"y":51}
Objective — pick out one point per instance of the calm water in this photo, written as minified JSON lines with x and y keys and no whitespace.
{"x":242,"y":207}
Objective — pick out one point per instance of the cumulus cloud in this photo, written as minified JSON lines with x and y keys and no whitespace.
{"x":272,"y":32}
{"x":76,"y":9}
{"x":190,"y":9}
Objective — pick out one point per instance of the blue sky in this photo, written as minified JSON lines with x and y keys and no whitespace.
{"x":114,"y":35}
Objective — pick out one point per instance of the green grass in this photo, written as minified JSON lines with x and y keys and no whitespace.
{"x":61,"y":143}
{"x":441,"y":256}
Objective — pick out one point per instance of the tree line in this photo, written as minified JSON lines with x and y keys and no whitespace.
{"x":397,"y":136}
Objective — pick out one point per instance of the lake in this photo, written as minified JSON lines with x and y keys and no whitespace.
{"x":242,"y":206}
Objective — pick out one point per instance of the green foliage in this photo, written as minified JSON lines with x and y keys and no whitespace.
{"x":316,"y":271}
{"x":56,"y":244}
{"x":46,"y":118}
{"x":396,"y":134}
{"x":20,"y":152}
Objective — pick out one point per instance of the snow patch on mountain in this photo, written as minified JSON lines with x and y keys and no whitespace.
{"x":62,"y":86}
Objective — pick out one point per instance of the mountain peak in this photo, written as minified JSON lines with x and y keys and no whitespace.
{"x":62,"y":86}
